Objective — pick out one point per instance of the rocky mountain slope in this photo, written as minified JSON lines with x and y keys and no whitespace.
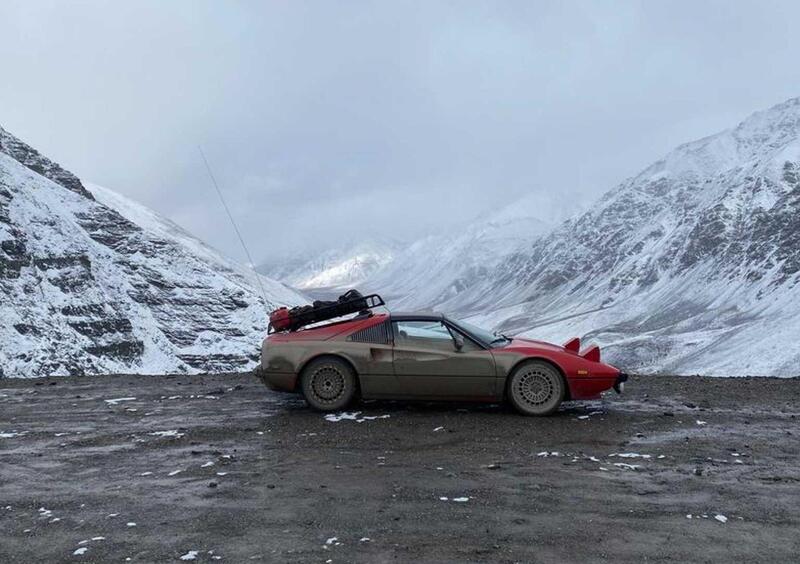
{"x":692,"y":266}
{"x":97,"y":284}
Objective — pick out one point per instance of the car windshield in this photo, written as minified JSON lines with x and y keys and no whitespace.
{"x":484,"y":335}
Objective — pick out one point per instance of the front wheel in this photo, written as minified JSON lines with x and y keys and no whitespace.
{"x":329,"y":384}
{"x":536,"y":388}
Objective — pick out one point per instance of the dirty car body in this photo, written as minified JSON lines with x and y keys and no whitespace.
{"x":428,"y":356}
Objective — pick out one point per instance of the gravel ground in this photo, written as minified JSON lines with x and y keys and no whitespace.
{"x":217,"y":468}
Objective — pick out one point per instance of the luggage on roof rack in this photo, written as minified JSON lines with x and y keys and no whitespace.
{"x":352,"y":301}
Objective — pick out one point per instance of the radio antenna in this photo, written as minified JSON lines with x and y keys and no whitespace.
{"x":250,"y":262}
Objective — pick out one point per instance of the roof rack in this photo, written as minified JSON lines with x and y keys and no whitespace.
{"x":299,"y":317}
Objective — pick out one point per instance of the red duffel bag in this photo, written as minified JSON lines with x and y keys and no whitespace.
{"x":279,"y":319}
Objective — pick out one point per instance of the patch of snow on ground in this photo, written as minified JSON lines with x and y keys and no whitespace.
{"x":173,"y":433}
{"x":353,"y":416}
{"x":627,"y":466}
{"x":118,"y":400}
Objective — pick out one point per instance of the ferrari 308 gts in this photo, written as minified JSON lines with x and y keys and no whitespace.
{"x":428,"y":356}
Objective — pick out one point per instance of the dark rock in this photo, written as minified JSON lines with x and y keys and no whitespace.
{"x":31,"y":158}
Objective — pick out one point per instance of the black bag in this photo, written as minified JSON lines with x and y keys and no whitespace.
{"x":351,"y":301}
{"x":351,"y":295}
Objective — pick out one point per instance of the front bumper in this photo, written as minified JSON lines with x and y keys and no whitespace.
{"x":619,"y":383}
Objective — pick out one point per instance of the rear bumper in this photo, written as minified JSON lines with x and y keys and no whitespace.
{"x":278,"y":381}
{"x":619,"y":383}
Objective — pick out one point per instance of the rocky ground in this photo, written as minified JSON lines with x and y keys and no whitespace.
{"x":216,"y":468}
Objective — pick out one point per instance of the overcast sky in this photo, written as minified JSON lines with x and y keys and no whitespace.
{"x":327,"y":121}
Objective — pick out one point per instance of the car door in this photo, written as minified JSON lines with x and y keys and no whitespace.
{"x":428,"y":362}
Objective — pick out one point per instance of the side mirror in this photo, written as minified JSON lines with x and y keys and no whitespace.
{"x":459,"y":342}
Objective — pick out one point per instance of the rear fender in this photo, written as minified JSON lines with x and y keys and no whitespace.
{"x":341,"y":357}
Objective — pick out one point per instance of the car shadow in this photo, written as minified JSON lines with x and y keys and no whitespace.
{"x":294,"y":404}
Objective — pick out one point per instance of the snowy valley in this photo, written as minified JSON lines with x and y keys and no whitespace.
{"x":690,"y":267}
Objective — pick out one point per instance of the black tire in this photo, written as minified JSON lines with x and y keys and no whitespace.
{"x":536,"y":388}
{"x":328,"y":384}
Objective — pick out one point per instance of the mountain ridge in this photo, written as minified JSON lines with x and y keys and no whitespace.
{"x":680,"y":264}
{"x":89,"y":291}
{"x":340,"y":268}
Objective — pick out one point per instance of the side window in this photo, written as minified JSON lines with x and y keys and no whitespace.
{"x":427,"y":334}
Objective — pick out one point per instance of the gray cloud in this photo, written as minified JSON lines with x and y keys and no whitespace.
{"x":327,"y":121}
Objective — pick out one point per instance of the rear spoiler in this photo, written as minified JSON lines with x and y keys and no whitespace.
{"x":592,"y":353}
{"x":574,"y":345}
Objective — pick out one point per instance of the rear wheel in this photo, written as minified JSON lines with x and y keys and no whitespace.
{"x":536,"y":388}
{"x":328,"y":383}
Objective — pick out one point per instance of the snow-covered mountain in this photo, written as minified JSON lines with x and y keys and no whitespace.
{"x":690,"y":267}
{"x":94,"y":283}
{"x":436,"y":272}
{"x":344,"y":267}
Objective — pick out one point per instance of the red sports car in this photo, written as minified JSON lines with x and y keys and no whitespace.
{"x":426,"y":356}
